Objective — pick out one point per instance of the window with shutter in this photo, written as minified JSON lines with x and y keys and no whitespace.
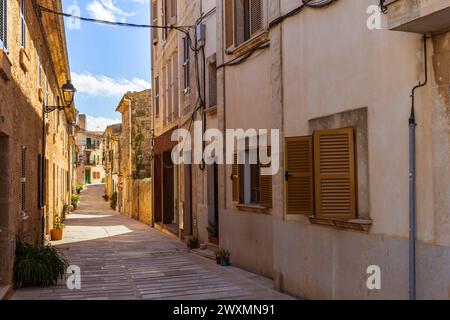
{"x":235,"y":178}
{"x":4,"y":24}
{"x":335,"y":181}
{"x":23,"y":180}
{"x":243,"y":20}
{"x":175,"y":85}
{"x":157,"y":96}
{"x":265,"y":185}
{"x":155,"y":21}
{"x":186,"y":62}
{"x":173,"y":11}
{"x":299,"y":176}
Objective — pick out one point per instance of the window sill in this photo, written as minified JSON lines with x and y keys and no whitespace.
{"x":211,"y":110}
{"x":5,"y":65}
{"x":254,"y":208}
{"x":357,"y":224}
{"x":248,"y":45}
{"x":24,"y":59}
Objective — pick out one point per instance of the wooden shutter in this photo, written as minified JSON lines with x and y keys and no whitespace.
{"x":173,"y":11}
{"x":229,"y":29}
{"x":4,"y":23}
{"x":299,"y":176}
{"x":155,"y":21}
{"x":23,"y":180}
{"x":235,"y":178}
{"x":256,"y":15}
{"x":265,"y":185}
{"x":335,"y":183}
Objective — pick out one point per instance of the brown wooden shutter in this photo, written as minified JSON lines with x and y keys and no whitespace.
{"x":173,"y":11}
{"x":335,"y":181}
{"x":299,"y":176}
{"x":229,"y":29}
{"x":256,"y":15}
{"x":265,"y":185}
{"x":155,"y":21}
{"x":235,"y":178}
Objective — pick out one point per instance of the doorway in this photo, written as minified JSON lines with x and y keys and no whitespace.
{"x":169,"y":199}
{"x":4,"y":209}
{"x":213,"y":207}
{"x":187,"y":200}
{"x":87,"y":176}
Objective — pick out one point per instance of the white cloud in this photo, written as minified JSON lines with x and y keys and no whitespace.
{"x":105,"y":86}
{"x":99,"y":123}
{"x":107,"y":10}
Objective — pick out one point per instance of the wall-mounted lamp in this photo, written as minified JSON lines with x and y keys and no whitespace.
{"x":68,"y":95}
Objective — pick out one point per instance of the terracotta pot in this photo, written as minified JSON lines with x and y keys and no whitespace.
{"x":218,"y":260}
{"x":56,"y":234}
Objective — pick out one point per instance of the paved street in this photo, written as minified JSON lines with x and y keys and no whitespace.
{"x":124,"y":259}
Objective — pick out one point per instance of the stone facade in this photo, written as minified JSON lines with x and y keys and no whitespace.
{"x":35,"y":149}
{"x":135,"y":149}
{"x":90,"y":156}
{"x":191,"y":209}
{"x":111,"y":147}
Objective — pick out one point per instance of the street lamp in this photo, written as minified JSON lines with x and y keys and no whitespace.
{"x":68,"y":95}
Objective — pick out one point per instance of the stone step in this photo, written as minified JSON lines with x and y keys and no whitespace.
{"x":5,"y":290}
{"x":206,"y":253}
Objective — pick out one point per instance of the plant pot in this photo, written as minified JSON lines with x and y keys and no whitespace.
{"x":218,"y":260}
{"x":224,"y":262}
{"x":56,"y":234}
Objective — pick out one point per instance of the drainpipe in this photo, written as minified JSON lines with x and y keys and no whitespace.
{"x":412,"y":183}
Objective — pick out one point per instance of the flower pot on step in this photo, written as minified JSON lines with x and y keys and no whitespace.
{"x":56,"y":234}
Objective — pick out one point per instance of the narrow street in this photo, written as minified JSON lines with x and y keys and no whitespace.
{"x":121,"y":258}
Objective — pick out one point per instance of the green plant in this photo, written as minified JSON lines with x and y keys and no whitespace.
{"x":65,"y":208}
{"x":212,"y":229}
{"x":58,"y":223}
{"x":192,"y":242}
{"x":105,"y":197}
{"x":79,"y":188}
{"x":223,"y":253}
{"x":113,"y":200}
{"x":36,"y":265}
{"x":74,"y":200}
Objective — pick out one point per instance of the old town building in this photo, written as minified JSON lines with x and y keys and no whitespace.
{"x":185,"y":196}
{"x":90,"y":169}
{"x":338,"y":88}
{"x":111,"y":150}
{"x":35,"y":146}
{"x":134,"y":197}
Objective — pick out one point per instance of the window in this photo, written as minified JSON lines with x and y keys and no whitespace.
{"x":212,"y":82}
{"x":249,"y":186}
{"x":4,"y":24}
{"x":23,"y":25}
{"x":244,"y":19}
{"x":157,"y":96}
{"x":23,"y":181}
{"x":321,"y":175}
{"x":175,"y":85}
{"x":40,"y":66}
{"x":169,"y":15}
{"x":186,"y":63}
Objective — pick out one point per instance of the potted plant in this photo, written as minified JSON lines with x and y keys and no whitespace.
{"x":192,"y":242}
{"x":213,"y":232}
{"x":65,"y":210}
{"x":74,"y":201}
{"x":57,"y":231}
{"x":224,"y":256}
{"x":79,"y":188}
{"x":105,"y":197}
{"x":38,"y":265}
{"x":114,"y":201}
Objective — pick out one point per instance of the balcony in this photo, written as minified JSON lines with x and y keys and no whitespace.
{"x":419,"y":16}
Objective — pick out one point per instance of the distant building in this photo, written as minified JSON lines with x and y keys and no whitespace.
{"x":135,"y":155}
{"x":89,"y":157}
{"x":111,"y":147}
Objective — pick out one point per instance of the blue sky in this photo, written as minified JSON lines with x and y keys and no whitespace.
{"x":106,"y":61}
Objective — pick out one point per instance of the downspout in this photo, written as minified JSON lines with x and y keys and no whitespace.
{"x":412,"y":182}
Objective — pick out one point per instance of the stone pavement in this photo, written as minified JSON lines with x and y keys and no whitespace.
{"x":121,"y":258}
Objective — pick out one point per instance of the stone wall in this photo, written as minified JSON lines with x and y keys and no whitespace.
{"x":142,"y":204}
